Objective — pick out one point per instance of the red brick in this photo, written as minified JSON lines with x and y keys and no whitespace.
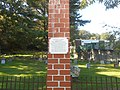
{"x":60,"y":78}
{"x":64,"y":29}
{"x":67,"y":55}
{"x":67,"y":34}
{"x":59,"y":25}
{"x":50,"y":25}
{"x":67,"y":66}
{"x":59,"y":15}
{"x":59,"y":56}
{"x":68,"y":88}
{"x":67,"y":15}
{"x":49,"y":78}
{"x":52,"y":30}
{"x":64,"y":72}
{"x":53,"y":11}
{"x":52,"y":84}
{"x":49,"y":66}
{"x":64,"y":1}
{"x":52,"y":72}
{"x":49,"y":88}
{"x":49,"y":55}
{"x":58,"y":88}
{"x":51,"y":16}
{"x":51,"y":6}
{"x":66,"y":6}
{"x":59,"y":66}
{"x":66,"y":25}
{"x":50,"y":34}
{"x":66,"y":84}
{"x":53,"y":20}
{"x":64,"y":11}
{"x":68,"y":78}
{"x":64,"y":60}
{"x":58,"y":6}
{"x":59,"y":35}
{"x":64,"y":20}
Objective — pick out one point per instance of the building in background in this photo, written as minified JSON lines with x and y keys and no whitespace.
{"x":93,"y":49}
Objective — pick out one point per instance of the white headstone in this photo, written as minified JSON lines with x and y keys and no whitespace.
{"x":3,"y":61}
{"x":102,"y":62}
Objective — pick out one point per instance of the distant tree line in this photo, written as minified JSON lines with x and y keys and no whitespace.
{"x":23,"y":24}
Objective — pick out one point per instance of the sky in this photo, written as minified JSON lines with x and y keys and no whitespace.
{"x":99,"y":16}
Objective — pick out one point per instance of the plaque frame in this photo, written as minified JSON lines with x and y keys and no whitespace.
{"x":58,"y":45}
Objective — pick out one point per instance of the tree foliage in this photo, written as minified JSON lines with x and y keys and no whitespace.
{"x":108,"y":3}
{"x":114,"y":36}
{"x":22,"y":24}
{"x":83,"y":34}
{"x":105,"y":36}
{"x":75,"y":19}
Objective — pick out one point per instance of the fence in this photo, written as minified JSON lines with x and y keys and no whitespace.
{"x":96,"y":83}
{"x":22,"y":83}
{"x":39,"y":83}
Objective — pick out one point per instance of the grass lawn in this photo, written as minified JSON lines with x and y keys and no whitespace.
{"x":23,"y":68}
{"x":99,"y":70}
{"x":97,"y":77}
{"x":28,"y":68}
{"x":23,"y":74}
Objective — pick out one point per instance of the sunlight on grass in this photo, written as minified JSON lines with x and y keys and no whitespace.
{"x":81,"y":66}
{"x":23,"y":68}
{"x":99,"y":70}
{"x":40,"y":72}
{"x":114,"y":74}
{"x":23,"y":75}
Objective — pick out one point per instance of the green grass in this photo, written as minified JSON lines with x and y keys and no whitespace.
{"x":23,"y":74}
{"x":28,"y":68}
{"x":105,"y":75}
{"x":23,"y":68}
{"x":99,"y":70}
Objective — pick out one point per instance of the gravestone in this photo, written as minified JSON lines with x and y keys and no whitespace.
{"x":102,"y":62}
{"x":3,"y":61}
{"x":75,"y":61}
{"x":88,"y":65}
{"x":75,"y":71}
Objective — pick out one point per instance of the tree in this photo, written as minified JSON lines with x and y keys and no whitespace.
{"x":105,"y":36}
{"x":95,"y":36}
{"x":75,"y":19}
{"x":83,"y":34}
{"x":108,"y":3}
{"x":22,"y":23}
{"x":114,"y":35}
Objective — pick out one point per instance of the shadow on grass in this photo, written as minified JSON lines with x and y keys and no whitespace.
{"x":23,"y":68}
{"x":98,"y":69}
{"x":23,"y":75}
{"x":97,"y":77}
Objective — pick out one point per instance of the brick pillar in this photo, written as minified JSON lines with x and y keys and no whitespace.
{"x":58,"y":73}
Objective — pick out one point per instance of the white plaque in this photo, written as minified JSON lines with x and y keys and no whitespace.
{"x":58,"y":46}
